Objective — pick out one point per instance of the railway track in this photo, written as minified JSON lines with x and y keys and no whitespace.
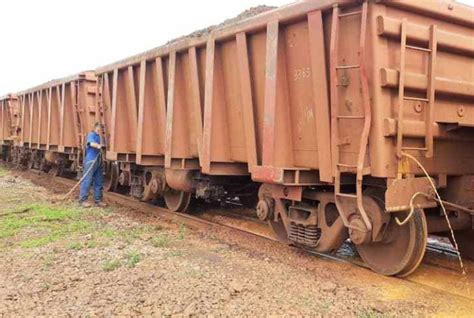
{"x":439,"y":275}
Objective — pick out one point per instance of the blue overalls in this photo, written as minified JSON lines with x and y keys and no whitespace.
{"x":95,"y":177}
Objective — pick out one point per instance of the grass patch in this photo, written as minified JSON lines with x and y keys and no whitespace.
{"x":45,"y":222}
{"x":111,"y":265}
{"x":75,"y":246}
{"x":182,"y":231}
{"x":40,"y":241}
{"x":161,"y":240}
{"x":91,"y":244}
{"x":49,"y":261}
{"x":133,"y":258}
{"x":109,"y":233}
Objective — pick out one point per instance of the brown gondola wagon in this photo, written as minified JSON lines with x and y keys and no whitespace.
{"x":54,"y":118}
{"x":328,"y":106}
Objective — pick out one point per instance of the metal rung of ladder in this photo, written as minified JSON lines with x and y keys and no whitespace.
{"x":417,"y":48}
{"x":343,"y":15}
{"x":430,"y":92}
{"x":345,"y":67}
{"x":346,"y":165}
{"x":358,"y":168}
{"x":350,"y":117}
{"x":414,"y":148}
{"x":419,"y":99}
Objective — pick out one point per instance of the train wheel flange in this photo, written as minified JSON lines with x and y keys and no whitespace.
{"x":401,"y":248}
{"x":177,"y":201}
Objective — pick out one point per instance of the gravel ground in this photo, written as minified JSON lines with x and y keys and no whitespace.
{"x":60,"y":260}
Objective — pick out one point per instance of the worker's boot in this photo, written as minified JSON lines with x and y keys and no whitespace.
{"x":85,"y":204}
{"x":101,"y":204}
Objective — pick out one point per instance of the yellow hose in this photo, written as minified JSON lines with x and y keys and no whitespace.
{"x":418,"y":163}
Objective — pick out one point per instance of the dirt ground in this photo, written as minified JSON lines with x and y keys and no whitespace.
{"x":61,"y":260}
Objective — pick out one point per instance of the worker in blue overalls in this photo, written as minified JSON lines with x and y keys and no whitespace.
{"x":93,"y":174}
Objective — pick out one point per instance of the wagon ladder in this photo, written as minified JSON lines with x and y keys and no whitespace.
{"x":429,"y":99}
{"x":359,"y":169}
{"x":77,"y":116}
{"x":8,"y":111}
{"x":101,"y":110}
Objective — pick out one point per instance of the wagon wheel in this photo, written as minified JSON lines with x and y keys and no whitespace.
{"x":465,"y":240}
{"x":177,"y":201}
{"x":111,"y":176}
{"x":401,"y":249}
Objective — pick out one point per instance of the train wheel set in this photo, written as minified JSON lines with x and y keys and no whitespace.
{"x":334,"y":120}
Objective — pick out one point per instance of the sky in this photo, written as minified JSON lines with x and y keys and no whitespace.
{"x":48,"y":39}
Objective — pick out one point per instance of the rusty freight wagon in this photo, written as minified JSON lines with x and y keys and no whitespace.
{"x":349,"y":116}
{"x":9,"y":124}
{"x":55,"y":117}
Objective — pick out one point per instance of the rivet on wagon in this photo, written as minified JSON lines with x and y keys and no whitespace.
{"x":461,"y":111}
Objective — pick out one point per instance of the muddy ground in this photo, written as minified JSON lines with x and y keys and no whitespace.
{"x":57,"y":259}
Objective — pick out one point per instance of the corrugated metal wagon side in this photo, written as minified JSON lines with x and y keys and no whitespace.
{"x":55,"y":117}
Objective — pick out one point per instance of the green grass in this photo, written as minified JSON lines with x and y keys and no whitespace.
{"x":133,"y":258}
{"x":76,"y":246}
{"x":111,"y":265}
{"x":161,"y":240}
{"x":91,"y":244}
{"x":109,"y":233}
{"x":182,"y":231}
{"x":49,"y":260}
{"x":46,"y":223}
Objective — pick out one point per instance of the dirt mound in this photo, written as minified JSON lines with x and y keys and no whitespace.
{"x":251,"y":12}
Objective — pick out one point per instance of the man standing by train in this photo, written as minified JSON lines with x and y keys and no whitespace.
{"x":93,"y":174}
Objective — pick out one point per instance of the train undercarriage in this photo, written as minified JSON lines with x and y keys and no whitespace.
{"x":51,"y":162}
{"x":308,"y":217}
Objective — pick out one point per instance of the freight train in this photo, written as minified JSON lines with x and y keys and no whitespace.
{"x":335,"y":119}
